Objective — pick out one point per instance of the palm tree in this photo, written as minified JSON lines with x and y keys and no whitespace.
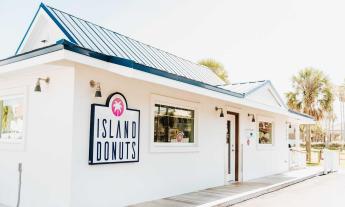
{"x":216,"y":67}
{"x":331,"y":117}
{"x":312,"y":94}
{"x":341,"y":95}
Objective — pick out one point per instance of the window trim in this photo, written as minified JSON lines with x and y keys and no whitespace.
{"x":270,"y":120}
{"x":9,"y":93}
{"x":173,"y":147}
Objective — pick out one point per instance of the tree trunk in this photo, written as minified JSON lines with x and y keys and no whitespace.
{"x":308,"y":144}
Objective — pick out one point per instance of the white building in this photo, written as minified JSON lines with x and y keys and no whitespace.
{"x":158,"y":134}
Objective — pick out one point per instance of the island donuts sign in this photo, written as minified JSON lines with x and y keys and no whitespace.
{"x":114,"y":132}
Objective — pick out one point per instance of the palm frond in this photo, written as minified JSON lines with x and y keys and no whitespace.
{"x":312,"y":93}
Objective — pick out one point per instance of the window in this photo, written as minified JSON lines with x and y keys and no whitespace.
{"x":173,"y":124}
{"x":11,"y":118}
{"x":292,"y":132}
{"x":265,"y":132}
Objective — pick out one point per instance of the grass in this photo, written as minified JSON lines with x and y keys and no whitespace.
{"x":314,"y":158}
{"x":312,"y":164}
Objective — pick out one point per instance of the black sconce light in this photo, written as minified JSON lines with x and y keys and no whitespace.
{"x":38,"y":83}
{"x":221,"y":111}
{"x":94,"y":84}
{"x":253,"y":117}
{"x":290,"y":126}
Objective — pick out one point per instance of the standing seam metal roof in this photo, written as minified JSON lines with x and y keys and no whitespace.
{"x":99,"y":39}
{"x":95,"y":41}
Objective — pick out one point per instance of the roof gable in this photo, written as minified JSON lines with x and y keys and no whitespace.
{"x":266,"y":94}
{"x":259,"y":91}
{"x":41,"y":32}
{"x":99,"y":39}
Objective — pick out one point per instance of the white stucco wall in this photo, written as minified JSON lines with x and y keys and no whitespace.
{"x":46,"y":151}
{"x":260,"y":160}
{"x":157,"y":174}
{"x":55,"y":154}
{"x":168,"y":173}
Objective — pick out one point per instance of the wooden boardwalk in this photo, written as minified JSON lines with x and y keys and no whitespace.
{"x":234,"y":193}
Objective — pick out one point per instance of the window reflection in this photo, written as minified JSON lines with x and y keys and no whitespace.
{"x":265,"y":132}
{"x":11,"y":116}
{"x":173,"y":124}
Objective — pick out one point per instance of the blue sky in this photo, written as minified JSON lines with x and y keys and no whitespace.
{"x":255,"y":40}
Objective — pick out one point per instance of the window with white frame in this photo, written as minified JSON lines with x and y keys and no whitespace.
{"x":11,"y":118}
{"x":265,"y":132}
{"x":173,"y":124}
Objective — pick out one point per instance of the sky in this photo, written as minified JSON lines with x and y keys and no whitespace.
{"x":255,"y":40}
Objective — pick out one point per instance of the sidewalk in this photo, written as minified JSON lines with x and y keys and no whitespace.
{"x":237,"y":192}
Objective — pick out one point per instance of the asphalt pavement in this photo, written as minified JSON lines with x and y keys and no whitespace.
{"x":322,"y":191}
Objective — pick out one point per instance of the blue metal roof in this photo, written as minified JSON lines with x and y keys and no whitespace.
{"x":98,"y":42}
{"x":66,"y":45}
{"x":99,"y":39}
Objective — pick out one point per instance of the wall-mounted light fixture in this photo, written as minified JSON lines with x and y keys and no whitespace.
{"x":253,"y":117}
{"x":288,"y":124}
{"x":94,"y":84}
{"x":221,"y":111}
{"x":38,"y":83}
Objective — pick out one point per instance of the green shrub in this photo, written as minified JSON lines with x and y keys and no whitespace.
{"x":318,"y":146}
{"x":334,"y":146}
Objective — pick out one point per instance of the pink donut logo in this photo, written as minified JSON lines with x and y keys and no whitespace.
{"x":117,"y":107}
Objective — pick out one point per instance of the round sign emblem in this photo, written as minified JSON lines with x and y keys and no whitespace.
{"x":117,"y":107}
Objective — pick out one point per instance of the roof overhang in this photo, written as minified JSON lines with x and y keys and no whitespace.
{"x":65,"y":50}
{"x":300,"y":118}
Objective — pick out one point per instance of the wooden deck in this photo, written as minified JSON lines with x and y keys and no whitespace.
{"x":234,"y":193}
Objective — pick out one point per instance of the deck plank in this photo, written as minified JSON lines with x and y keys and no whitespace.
{"x":228,"y":191}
